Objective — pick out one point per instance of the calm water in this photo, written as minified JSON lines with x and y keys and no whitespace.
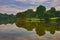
{"x":30,"y":31}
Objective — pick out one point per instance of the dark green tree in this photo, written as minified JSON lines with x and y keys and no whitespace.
{"x":20,"y":15}
{"x":40,"y":11}
{"x":52,"y":12}
{"x":29,"y":13}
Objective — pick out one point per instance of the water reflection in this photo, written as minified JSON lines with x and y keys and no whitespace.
{"x":40,"y":27}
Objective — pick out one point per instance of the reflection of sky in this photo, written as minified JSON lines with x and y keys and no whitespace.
{"x":14,"y":6}
{"x":12,"y":29}
{"x":11,"y":32}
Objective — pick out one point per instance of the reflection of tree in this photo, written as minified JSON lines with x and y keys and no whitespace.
{"x":40,"y":27}
{"x":27,"y":25}
{"x":40,"y":30}
{"x":30,"y":26}
{"x":50,"y":27}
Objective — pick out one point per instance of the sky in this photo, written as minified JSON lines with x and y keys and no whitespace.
{"x":14,"y":6}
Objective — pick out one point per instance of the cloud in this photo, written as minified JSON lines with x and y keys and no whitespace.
{"x":39,"y":0}
{"x":32,"y":1}
{"x":57,"y":7}
{"x":52,"y":3}
{"x":21,"y":0}
{"x":55,"y":3}
{"x":8,"y":9}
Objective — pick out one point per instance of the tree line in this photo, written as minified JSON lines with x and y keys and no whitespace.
{"x":5,"y":18}
{"x":40,"y":13}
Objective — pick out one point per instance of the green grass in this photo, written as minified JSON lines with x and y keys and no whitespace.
{"x":53,"y":18}
{"x":37,"y":19}
{"x":32,"y":19}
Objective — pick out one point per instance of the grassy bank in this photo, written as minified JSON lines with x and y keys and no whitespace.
{"x":35,"y":19}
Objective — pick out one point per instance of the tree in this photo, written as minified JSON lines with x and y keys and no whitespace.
{"x":57,"y":14}
{"x":29,"y":13}
{"x":52,"y":12}
{"x":52,"y":9}
{"x":40,"y":11}
{"x":46,"y":17}
{"x":20,"y":15}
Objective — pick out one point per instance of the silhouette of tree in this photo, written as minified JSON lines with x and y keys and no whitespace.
{"x":57,"y":14}
{"x":40,"y":11}
{"x":29,"y":13}
{"x":52,"y":12}
{"x":20,"y":15}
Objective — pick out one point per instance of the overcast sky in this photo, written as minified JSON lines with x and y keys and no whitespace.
{"x":14,"y":6}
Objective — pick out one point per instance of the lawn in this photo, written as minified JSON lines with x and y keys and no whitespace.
{"x":32,"y":19}
{"x":36,"y":19}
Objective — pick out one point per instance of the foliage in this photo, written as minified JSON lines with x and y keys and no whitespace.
{"x":40,"y":13}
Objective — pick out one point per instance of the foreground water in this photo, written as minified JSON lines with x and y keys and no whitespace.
{"x":30,"y":31}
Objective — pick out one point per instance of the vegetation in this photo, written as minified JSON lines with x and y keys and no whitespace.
{"x":41,"y":13}
{"x":29,"y":15}
{"x":40,"y":27}
{"x":5,"y":18}
{"x":40,"y":20}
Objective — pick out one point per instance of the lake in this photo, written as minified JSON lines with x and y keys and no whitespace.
{"x":30,"y":31}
